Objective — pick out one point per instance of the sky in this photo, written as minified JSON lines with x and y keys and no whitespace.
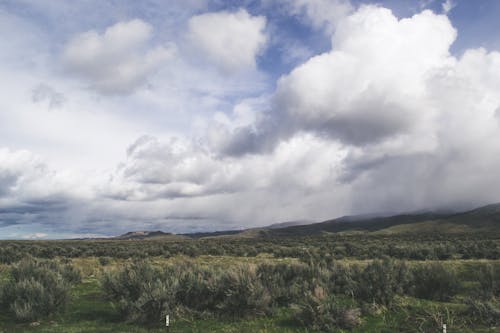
{"x":206,"y":115}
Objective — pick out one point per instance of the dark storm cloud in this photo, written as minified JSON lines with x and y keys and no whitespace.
{"x":259,"y":138}
{"x":7,"y":179}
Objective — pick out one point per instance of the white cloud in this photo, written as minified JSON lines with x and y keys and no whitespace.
{"x":418,"y":126}
{"x":231,"y":40}
{"x":33,"y":193}
{"x":163,"y":169}
{"x":26,"y":177}
{"x":370,"y":87}
{"x":118,"y":60}
{"x":447,"y":6}
{"x":36,"y":235}
{"x":178,"y":168}
{"x":321,"y":14}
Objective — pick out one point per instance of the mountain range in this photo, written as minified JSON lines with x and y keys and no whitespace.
{"x":482,"y":219}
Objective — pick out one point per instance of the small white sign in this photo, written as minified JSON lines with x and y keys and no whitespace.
{"x":167,"y":320}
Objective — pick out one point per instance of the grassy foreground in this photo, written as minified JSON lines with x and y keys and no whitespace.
{"x":89,"y":311}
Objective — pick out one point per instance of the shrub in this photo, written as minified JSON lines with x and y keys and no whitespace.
{"x":285,"y":282}
{"x":70,"y":273}
{"x":381,"y":281}
{"x":320,"y":311}
{"x":104,"y":261}
{"x":141,"y":292}
{"x":199,"y":288}
{"x":37,"y":289}
{"x":489,"y":280}
{"x":244,"y":294}
{"x":10,"y":254}
{"x":435,"y":282}
{"x":482,"y":312}
{"x":343,"y":279}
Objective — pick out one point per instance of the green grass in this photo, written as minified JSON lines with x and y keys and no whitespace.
{"x":90,"y":312}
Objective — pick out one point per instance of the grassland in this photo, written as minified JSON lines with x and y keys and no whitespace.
{"x":90,"y":310}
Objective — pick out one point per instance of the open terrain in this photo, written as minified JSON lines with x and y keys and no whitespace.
{"x":407,"y":273}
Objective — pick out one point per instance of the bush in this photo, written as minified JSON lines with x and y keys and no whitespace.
{"x":285,"y":282}
{"x":199,"y":288}
{"x":483,"y":312}
{"x":343,"y":279}
{"x":320,"y":311}
{"x":489,"y":281}
{"x":37,"y":289}
{"x":381,"y":281}
{"x":435,"y":282}
{"x":10,"y":254}
{"x":104,"y":261}
{"x":244,"y":294}
{"x":141,"y":292}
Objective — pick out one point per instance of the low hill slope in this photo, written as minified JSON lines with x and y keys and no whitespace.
{"x":153,"y":235}
{"x":484,"y":219}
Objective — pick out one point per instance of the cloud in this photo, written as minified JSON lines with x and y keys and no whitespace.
{"x":179,"y":168}
{"x":369,"y":90}
{"x":447,"y":6}
{"x":231,"y":40}
{"x":170,"y":182}
{"x":230,"y":136}
{"x":45,"y":93}
{"x":37,"y":235}
{"x":117,"y":61}
{"x":369,"y":87}
{"x":321,"y":14}
{"x":155,"y":169}
{"x":33,"y":192}
{"x":417,"y":125}
{"x":18,"y":168}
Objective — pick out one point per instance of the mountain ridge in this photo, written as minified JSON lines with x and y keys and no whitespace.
{"x":485,"y":218}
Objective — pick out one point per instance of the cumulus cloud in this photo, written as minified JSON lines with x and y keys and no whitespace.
{"x":155,"y":169}
{"x":178,"y":168}
{"x":30,"y":190}
{"x":370,"y":89}
{"x":417,"y":125}
{"x":445,"y":152}
{"x":118,"y":60}
{"x":19,"y":168}
{"x":370,"y":86}
{"x":246,"y":130}
{"x":231,"y":40}
{"x":321,"y":14}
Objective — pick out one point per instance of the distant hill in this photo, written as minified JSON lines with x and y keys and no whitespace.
{"x":139,"y":235}
{"x":288,"y":224}
{"x":483,"y":219}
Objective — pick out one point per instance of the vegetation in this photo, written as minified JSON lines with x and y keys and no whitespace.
{"x":37,"y":289}
{"x":325,"y":283}
{"x":321,"y":247}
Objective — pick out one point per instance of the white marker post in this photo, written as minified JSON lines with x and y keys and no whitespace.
{"x":167,"y":322}
{"x":444,"y":328}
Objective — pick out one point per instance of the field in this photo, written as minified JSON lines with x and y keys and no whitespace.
{"x":341,"y":283}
